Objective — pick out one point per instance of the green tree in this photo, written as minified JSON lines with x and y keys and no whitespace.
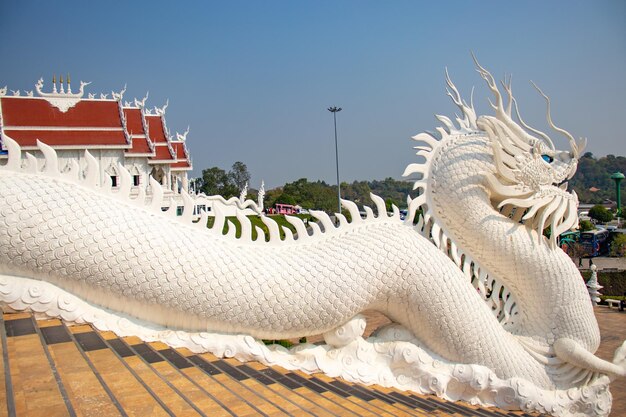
{"x":585,"y":225}
{"x":389,"y":203}
{"x":285,"y":198}
{"x":393,"y":190}
{"x":600,"y":214}
{"x":321,"y":196}
{"x":239,"y":175}
{"x":618,"y":245}
{"x":271,"y":196}
{"x":592,"y":181}
{"x":215,"y":181}
{"x":358,"y":191}
{"x":312,"y":195}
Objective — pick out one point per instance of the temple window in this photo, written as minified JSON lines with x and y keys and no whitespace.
{"x":113,"y":174}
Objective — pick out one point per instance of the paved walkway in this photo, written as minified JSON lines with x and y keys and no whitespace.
{"x":613,"y":332}
{"x":604,"y":263}
{"x":51,"y":369}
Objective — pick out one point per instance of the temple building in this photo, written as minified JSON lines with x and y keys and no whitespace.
{"x":114,"y":131}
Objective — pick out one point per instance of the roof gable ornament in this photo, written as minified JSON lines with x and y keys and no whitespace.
{"x":118,"y":96}
{"x":183,"y":137}
{"x":161,"y":111}
{"x":60,"y":99}
{"x":142,"y":103}
{"x":3,"y":91}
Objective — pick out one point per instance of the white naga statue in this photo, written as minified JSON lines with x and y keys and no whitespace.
{"x":485,"y":308}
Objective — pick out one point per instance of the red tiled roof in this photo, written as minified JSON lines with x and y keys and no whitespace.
{"x":68,"y":138}
{"x":38,"y":112}
{"x":179,"y":148}
{"x":183,"y":164}
{"x":181,"y":155}
{"x":89,"y":123}
{"x":134,"y":124}
{"x":155,"y":127}
{"x":140,"y":146}
{"x":157,"y":135}
{"x":162,"y":154}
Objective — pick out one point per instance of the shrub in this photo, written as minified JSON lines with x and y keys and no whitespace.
{"x":585,"y":225}
{"x":618,"y":245}
{"x":600,"y":214}
{"x":612,"y":297}
{"x":284,"y":343}
{"x":614,"y":283}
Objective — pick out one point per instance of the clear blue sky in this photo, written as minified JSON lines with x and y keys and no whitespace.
{"x":253,"y":79}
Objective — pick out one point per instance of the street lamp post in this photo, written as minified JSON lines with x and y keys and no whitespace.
{"x":334,"y":111}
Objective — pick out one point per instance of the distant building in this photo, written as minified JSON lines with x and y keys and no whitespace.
{"x":114,"y":132}
{"x":285,"y":209}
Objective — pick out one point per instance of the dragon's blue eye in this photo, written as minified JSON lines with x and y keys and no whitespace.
{"x":547,"y":158}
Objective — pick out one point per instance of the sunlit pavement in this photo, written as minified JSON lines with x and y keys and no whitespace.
{"x":51,"y":369}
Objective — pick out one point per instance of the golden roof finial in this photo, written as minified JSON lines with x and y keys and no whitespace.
{"x":54,"y":79}
{"x":61,"y":79}
{"x":68,"y":77}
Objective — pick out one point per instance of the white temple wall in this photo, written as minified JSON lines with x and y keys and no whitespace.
{"x":109,"y":160}
{"x":106,"y":159}
{"x":141,"y":167}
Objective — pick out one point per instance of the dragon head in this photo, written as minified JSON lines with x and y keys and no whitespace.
{"x":529,"y":180}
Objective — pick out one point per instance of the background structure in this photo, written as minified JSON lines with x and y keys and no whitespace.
{"x":254,"y":79}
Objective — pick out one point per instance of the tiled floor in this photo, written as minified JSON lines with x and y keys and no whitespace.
{"x":51,"y":369}
{"x":613,"y":332}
